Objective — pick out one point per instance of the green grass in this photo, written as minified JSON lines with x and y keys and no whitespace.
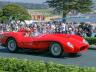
{"x":18,"y":65}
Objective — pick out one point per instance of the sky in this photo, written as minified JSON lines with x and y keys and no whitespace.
{"x":26,"y":1}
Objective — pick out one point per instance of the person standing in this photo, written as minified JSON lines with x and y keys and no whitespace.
{"x":62,"y":28}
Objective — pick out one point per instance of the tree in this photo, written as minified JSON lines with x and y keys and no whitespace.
{"x":1,"y":12}
{"x":3,"y":19}
{"x":65,"y":6}
{"x":15,"y":12}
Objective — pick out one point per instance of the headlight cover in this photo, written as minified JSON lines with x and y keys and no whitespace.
{"x":84,"y":41}
{"x":70,"y":45}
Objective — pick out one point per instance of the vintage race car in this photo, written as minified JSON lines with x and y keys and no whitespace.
{"x":56,"y":44}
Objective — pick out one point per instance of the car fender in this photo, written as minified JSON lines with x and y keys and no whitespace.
{"x":62,"y":40}
{"x":15,"y":35}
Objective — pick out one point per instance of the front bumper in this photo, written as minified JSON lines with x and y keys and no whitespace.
{"x":77,"y":48}
{"x":81,"y":48}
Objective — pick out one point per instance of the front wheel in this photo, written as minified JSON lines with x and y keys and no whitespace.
{"x":56,"y":50}
{"x":12,"y":45}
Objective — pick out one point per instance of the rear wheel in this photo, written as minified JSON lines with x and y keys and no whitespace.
{"x":56,"y":50}
{"x":11,"y":45}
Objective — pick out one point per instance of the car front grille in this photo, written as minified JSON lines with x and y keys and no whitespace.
{"x":83,"y":47}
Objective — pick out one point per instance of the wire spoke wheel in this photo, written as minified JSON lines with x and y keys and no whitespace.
{"x":56,"y":50}
{"x":11,"y":45}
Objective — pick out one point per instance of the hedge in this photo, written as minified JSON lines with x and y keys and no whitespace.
{"x":91,"y":40}
{"x":17,"y":65}
{"x":3,"y":71}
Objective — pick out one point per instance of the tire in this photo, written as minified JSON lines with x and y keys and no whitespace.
{"x":56,"y":50}
{"x":12,"y":45}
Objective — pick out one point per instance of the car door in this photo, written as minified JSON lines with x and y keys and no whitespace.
{"x":27,"y":42}
{"x":40,"y":42}
{"x":36,"y":42}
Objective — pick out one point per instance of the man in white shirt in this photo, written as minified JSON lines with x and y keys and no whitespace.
{"x":63,"y":28}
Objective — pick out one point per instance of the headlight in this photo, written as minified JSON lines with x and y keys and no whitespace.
{"x":70,"y":45}
{"x":84,"y":41}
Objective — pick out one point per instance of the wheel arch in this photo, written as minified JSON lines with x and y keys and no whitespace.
{"x":9,"y":38}
{"x":58,"y":43}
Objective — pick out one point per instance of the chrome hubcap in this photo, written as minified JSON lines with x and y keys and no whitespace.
{"x":56,"y":49}
{"x":11,"y":45}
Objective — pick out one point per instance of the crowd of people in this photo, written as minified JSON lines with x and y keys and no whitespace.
{"x":83,"y":29}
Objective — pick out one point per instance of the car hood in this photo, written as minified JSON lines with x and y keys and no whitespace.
{"x":63,"y":36}
{"x":55,"y":35}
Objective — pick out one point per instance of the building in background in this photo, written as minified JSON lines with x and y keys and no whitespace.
{"x":43,"y":14}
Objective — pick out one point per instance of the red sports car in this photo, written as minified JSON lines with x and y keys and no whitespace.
{"x":56,"y":44}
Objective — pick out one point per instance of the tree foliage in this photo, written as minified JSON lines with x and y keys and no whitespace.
{"x":65,"y":6}
{"x":1,"y":12}
{"x":3,"y":19}
{"x":15,"y":12}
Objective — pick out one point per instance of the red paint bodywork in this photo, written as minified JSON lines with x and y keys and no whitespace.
{"x":42,"y":42}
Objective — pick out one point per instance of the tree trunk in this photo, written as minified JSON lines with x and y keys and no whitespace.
{"x":64,"y":16}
